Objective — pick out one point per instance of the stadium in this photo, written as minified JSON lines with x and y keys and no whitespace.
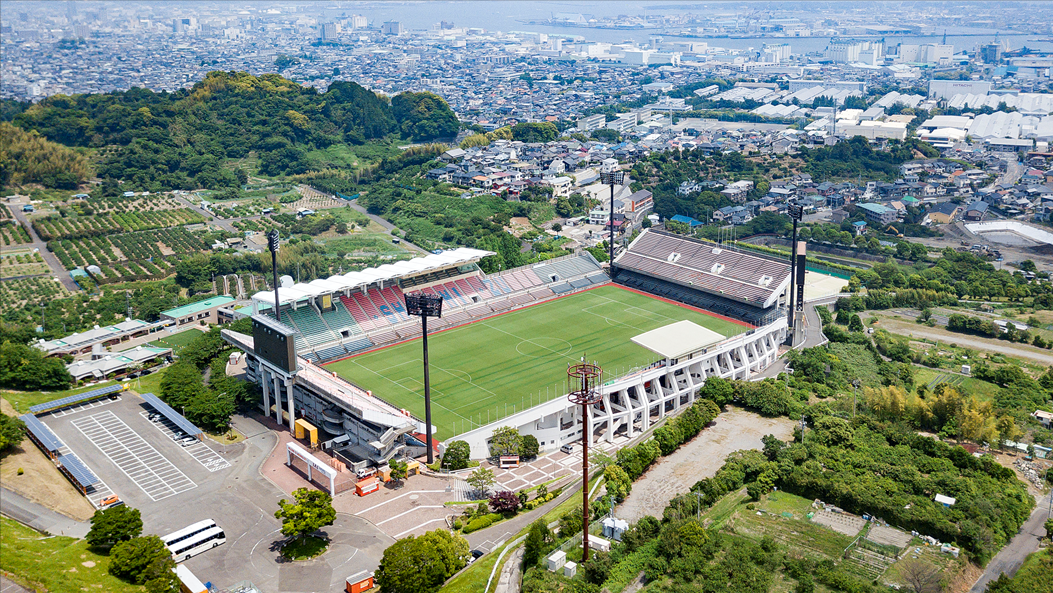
{"x":345,"y":355}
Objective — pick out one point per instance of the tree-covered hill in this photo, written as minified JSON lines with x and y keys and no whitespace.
{"x":25,"y":157}
{"x":180,"y":140}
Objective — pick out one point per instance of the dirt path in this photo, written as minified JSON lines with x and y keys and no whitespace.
{"x":700,"y":458}
{"x":903,"y":328}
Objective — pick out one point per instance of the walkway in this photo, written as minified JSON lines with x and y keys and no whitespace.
{"x":57,"y":269}
{"x":32,"y":514}
{"x":1012,"y":556}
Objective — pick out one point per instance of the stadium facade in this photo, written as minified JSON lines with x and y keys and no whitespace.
{"x":333,"y":318}
{"x":336,"y":317}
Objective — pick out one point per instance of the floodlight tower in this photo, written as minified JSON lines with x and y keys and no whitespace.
{"x":796,"y":211}
{"x":612,"y":177}
{"x":583,"y":379}
{"x":425,"y":306}
{"x":272,"y":244}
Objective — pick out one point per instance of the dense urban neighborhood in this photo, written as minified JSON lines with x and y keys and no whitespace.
{"x":526,"y":297}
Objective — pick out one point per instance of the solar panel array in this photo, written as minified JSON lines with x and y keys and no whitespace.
{"x":77,"y":470}
{"x":42,"y":434}
{"x":173,"y":416}
{"x":75,"y":399}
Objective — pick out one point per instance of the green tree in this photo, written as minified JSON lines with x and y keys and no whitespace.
{"x":537,"y":538}
{"x":529,"y":447}
{"x":27,"y":369}
{"x":12,"y":431}
{"x":617,"y":481}
{"x":855,"y":324}
{"x":457,"y":455}
{"x":505,"y":441}
{"x":421,"y":564}
{"x":113,"y":525}
{"x":481,"y":480}
{"x":181,"y":385}
{"x":717,"y":390}
{"x":399,"y":470}
{"x":140,"y":560}
{"x":308,"y":512}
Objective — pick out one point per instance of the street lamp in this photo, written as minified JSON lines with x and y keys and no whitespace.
{"x":796,"y":211}
{"x":584,"y":377}
{"x":612,"y":178}
{"x":855,"y":386}
{"x":425,"y":306}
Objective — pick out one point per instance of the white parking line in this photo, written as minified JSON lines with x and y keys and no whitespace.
{"x":201,"y":452}
{"x":82,"y":407}
{"x":150,"y":470}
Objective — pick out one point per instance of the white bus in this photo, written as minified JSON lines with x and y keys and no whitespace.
{"x":194,"y":539}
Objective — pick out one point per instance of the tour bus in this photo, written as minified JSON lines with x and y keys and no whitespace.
{"x":194,"y":539}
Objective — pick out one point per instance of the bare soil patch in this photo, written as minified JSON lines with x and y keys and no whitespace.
{"x":42,"y":482}
{"x":700,"y":458}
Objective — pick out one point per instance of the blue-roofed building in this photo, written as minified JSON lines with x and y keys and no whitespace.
{"x":687,"y":220}
{"x":206,"y":311}
{"x":860,"y":227}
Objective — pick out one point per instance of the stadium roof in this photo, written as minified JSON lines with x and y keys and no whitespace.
{"x":42,"y":434}
{"x":173,"y":416}
{"x":300,"y":291}
{"x":678,"y":339}
{"x":750,"y":279}
{"x":77,"y":470}
{"x":194,"y":308}
{"x":75,"y":399}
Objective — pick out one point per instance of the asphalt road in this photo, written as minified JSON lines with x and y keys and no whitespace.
{"x":25,"y":511}
{"x":1011,"y":557}
{"x":239,"y":498}
{"x":57,"y":269}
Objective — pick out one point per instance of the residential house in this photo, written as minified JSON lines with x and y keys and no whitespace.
{"x":944,"y":212}
{"x":976,"y":211}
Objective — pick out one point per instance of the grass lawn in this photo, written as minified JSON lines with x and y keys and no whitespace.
{"x":56,"y":563}
{"x":177,"y":341}
{"x":491,"y":368}
{"x":306,"y":548}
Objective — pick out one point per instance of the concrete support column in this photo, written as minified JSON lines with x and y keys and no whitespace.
{"x":266,"y":391}
{"x":745,"y":361}
{"x":277,"y":399}
{"x":292,"y":408}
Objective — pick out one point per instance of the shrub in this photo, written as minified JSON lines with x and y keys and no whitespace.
{"x":482,"y":522}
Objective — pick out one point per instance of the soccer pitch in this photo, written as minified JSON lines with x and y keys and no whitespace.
{"x":489,"y":369}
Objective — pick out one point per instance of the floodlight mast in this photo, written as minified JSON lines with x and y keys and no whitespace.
{"x":796,"y":212}
{"x":425,"y":306}
{"x":612,"y":178}
{"x":272,"y":244}
{"x":584,"y":378}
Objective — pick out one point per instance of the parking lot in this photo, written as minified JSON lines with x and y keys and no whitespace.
{"x":152,"y":472}
{"x":200,"y":451}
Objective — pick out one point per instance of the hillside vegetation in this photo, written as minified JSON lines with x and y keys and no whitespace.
{"x":180,"y":140}
{"x":26,"y":157}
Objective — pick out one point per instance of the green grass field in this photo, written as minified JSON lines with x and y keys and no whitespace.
{"x":177,"y":341}
{"x":487,"y":370}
